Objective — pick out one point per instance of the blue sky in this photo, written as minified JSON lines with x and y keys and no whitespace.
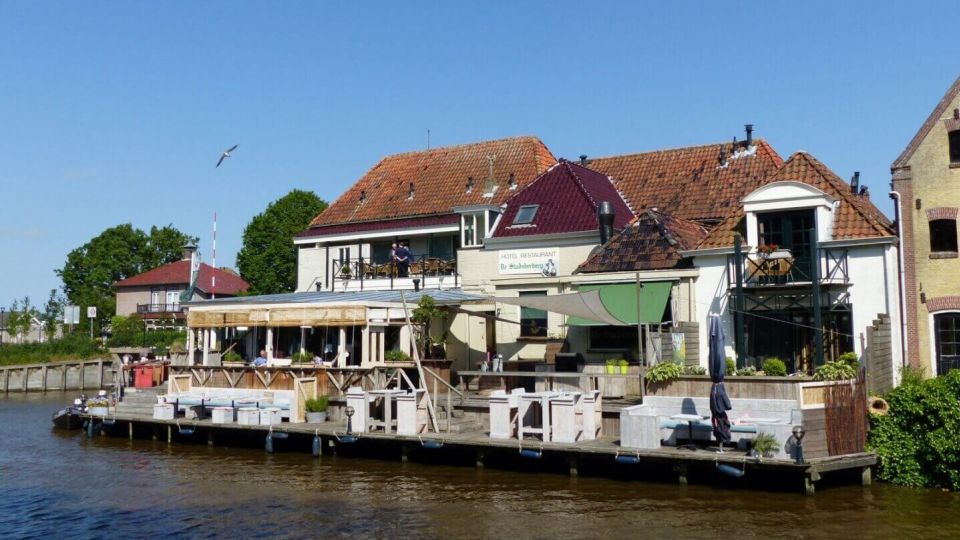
{"x":116,"y":113}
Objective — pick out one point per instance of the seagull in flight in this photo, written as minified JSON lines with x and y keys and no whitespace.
{"x":226,"y":154}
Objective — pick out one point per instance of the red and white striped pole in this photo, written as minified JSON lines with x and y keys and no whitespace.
{"x":213,"y":282}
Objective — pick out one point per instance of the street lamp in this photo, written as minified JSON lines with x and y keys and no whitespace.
{"x":798,"y":433}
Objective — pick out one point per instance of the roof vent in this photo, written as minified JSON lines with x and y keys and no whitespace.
{"x":512,"y":183}
{"x":469,"y":184}
{"x":864,"y":192}
{"x":749,"y":129}
{"x":605,"y":216}
{"x":363,"y":195}
{"x":855,"y":182}
{"x":583,"y":160}
{"x":722,"y":159}
{"x":410,"y":191}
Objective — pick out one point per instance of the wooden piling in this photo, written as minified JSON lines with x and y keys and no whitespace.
{"x":866,"y":476}
{"x":480,"y":458}
{"x":682,"y":472}
{"x":169,"y":434}
{"x":130,"y":430}
{"x":574,"y":463}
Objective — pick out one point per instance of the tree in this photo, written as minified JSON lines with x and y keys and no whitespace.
{"x":20,"y":318}
{"x":52,"y":312}
{"x":268,"y":258}
{"x":117,"y":253}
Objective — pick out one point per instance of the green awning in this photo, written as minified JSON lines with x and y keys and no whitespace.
{"x":620,"y":299}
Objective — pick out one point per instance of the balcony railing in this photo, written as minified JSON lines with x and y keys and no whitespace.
{"x":158,"y":308}
{"x":782,"y":268}
{"x":419,"y":268}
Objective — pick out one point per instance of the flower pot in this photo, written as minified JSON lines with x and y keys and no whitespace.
{"x":612,"y":370}
{"x":624,"y":370}
{"x":316,"y":417}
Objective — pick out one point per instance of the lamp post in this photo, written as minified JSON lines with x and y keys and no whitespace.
{"x":349,"y":411}
{"x":798,"y":433}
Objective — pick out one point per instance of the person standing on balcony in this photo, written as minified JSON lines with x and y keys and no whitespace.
{"x":402,"y":256}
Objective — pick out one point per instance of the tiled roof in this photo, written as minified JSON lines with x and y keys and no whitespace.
{"x":178,"y":273}
{"x":439,"y":177}
{"x":567,"y":196}
{"x":383,"y":225}
{"x":651,"y":242}
{"x":690,"y":183}
{"x":856,"y":216}
{"x":931,"y":121}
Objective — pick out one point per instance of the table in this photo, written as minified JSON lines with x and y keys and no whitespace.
{"x":386,"y":420}
{"x":689,"y":419}
{"x":527,"y":400}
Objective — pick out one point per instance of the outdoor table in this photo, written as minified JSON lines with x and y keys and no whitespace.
{"x":384,"y":420}
{"x":689,"y":419}
{"x":527,"y":400}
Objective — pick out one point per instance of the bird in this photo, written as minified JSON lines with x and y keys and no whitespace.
{"x":226,"y":154}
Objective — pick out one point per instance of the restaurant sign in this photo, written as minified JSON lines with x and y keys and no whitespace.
{"x":543,"y":261}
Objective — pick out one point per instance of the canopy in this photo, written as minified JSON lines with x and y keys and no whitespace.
{"x":581,"y":305}
{"x":620,"y":301}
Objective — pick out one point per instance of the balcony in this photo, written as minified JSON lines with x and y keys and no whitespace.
{"x":423,"y":272}
{"x":148,"y":311}
{"x":781,"y":269}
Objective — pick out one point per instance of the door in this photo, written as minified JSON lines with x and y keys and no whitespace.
{"x":947,"y":333}
{"x":789,"y":230}
{"x":155,"y":301}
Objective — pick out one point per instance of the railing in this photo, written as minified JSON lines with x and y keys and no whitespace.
{"x":781,"y":268}
{"x":421,"y":267}
{"x":159,"y":308}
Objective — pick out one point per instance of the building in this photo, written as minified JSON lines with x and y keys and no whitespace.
{"x":156,"y":295}
{"x":926,"y":177}
{"x":36,"y":334}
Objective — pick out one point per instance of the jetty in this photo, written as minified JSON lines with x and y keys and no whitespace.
{"x":459,"y":429}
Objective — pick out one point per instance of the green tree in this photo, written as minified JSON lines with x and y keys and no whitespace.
{"x":117,"y":253}
{"x":268,"y":258}
{"x":52,"y":313}
{"x":21,"y":318}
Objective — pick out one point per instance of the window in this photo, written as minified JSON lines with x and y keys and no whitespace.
{"x":533,"y":322}
{"x":943,"y":235}
{"x":954,"y":138}
{"x":474,"y":229}
{"x":525,"y":214}
{"x":790,"y":231}
{"x":947,"y":330}
{"x":173,"y":300}
{"x":613,"y":338}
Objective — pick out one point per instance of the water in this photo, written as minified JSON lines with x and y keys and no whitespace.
{"x":65,"y":485}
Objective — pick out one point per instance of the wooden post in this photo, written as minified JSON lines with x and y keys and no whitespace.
{"x":130,"y":430}
{"x":574,"y":464}
{"x":808,"y":486}
{"x":169,"y":434}
{"x":6,"y":381}
{"x":210,"y":438}
{"x":866,"y":476}
{"x":404,"y":453}
{"x":480,"y":458}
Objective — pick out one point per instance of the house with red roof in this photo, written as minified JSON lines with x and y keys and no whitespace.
{"x":157,"y":294}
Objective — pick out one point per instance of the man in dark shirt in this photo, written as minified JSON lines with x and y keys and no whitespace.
{"x":402,"y":256}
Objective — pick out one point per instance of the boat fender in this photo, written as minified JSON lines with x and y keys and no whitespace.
{"x":627,"y":460}
{"x":431,"y":444}
{"x":532,"y":454}
{"x":730,"y":470}
{"x":316,"y":448}
{"x":268,"y":444}
{"x":91,"y":428}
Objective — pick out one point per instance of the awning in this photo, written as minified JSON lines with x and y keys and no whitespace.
{"x":620,"y":300}
{"x":583,"y":305}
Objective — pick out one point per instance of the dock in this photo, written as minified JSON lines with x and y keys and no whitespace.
{"x":466,"y":442}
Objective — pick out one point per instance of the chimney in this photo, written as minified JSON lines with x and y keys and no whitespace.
{"x":188,"y":251}
{"x":864,"y":192}
{"x":723,"y":155}
{"x":469,"y":184}
{"x":749,"y":128}
{"x":583,"y":160}
{"x":855,"y":182}
{"x":363,"y":195}
{"x":605,"y":216}
{"x":190,"y":254}
{"x":513,"y":181}
{"x":410,"y":192}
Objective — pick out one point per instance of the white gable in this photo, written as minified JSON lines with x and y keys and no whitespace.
{"x":786,"y":194}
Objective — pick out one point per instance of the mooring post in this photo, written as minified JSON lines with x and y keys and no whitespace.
{"x":682,"y":471}
{"x":808,"y":486}
{"x":866,"y":476}
{"x":480,"y":458}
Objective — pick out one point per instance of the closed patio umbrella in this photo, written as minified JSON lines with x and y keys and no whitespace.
{"x":719,"y":401}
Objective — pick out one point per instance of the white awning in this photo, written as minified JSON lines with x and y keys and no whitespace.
{"x":586,"y":305}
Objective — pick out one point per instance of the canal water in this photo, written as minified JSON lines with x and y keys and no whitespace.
{"x":64,"y":485}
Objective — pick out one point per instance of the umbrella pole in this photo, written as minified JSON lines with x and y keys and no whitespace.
{"x":643,"y":357}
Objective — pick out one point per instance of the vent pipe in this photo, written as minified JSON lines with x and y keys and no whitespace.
{"x":855,"y":182}
{"x":583,"y":160}
{"x":605,"y":216}
{"x":749,"y":129}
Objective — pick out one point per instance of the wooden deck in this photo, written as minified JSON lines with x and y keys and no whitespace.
{"x":678,"y":460}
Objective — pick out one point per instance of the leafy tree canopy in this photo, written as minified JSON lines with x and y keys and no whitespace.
{"x":268,"y":258}
{"x":117,"y":253}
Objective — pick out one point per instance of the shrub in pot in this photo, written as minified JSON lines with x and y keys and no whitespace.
{"x":663,"y":372}
{"x":611,"y":366}
{"x":624,"y":366}
{"x":765,"y":444}
{"x":317,"y":409}
{"x":774,"y":367}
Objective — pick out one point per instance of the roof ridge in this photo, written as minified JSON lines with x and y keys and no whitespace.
{"x":461,"y":145}
{"x":677,"y":148}
{"x":927,"y":125}
{"x":579,"y":183}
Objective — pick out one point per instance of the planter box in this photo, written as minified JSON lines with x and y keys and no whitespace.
{"x":222,"y":415}
{"x":270,"y":416}
{"x":316,"y":417}
{"x":163,"y":411}
{"x":248,"y":416}
{"x":737,"y":387}
{"x":99,"y":411}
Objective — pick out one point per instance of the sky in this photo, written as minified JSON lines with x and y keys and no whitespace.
{"x":116,"y":112}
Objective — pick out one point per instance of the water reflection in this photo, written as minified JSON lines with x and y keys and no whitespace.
{"x":66,"y":485}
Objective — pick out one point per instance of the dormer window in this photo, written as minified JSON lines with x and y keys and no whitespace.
{"x":526,"y":214}
{"x":469,"y":184}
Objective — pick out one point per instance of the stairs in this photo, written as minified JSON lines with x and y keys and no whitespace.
{"x":138,"y":401}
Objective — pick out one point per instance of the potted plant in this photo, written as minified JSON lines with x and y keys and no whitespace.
{"x":302,"y":356}
{"x":345,"y":272}
{"x":396,"y":356}
{"x":765,"y":444}
{"x":624,"y":366}
{"x":232,"y":357}
{"x":611,"y":366}
{"x":317,"y":409}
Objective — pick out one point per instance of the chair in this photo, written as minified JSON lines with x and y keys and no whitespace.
{"x":450,"y":267}
{"x":433,"y":267}
{"x":416,"y":267}
{"x":369,"y":270}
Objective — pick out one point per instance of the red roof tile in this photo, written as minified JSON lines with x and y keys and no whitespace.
{"x":690,"y":183}
{"x":651,"y":242}
{"x":439,"y":178}
{"x":567,"y":196}
{"x":178,"y":273}
{"x":856,"y":216}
